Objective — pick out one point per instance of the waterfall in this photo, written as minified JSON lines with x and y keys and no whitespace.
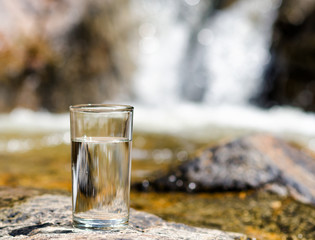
{"x":196,"y":51}
{"x":198,"y":63}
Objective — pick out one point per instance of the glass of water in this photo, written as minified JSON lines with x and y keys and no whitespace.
{"x":101,"y":136}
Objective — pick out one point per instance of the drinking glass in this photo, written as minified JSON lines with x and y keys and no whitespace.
{"x":101,"y":136}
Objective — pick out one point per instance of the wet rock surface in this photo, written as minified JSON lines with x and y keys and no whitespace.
{"x":49,"y":217}
{"x":251,"y":162}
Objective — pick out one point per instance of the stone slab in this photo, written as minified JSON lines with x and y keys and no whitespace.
{"x":49,"y":217}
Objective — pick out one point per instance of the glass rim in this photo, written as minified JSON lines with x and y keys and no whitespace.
{"x":100,"y":108}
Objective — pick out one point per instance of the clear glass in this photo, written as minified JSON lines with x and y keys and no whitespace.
{"x":101,"y":138}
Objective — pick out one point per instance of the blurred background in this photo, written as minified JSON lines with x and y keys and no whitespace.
{"x":198,"y":72}
{"x":55,"y":53}
{"x":192,"y":68}
{"x":217,"y":59}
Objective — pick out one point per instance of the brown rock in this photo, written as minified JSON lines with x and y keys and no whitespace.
{"x":251,"y":162}
{"x":57,"y":53}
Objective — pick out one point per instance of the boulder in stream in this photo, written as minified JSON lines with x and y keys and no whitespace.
{"x":250,"y":162}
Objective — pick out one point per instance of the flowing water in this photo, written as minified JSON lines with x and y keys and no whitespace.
{"x":261,"y":215}
{"x":195,"y":51}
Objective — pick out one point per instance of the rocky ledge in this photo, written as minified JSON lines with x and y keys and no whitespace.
{"x":49,"y":217}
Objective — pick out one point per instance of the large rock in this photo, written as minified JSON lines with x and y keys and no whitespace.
{"x":290,"y":76}
{"x":49,"y":217}
{"x":251,"y":162}
{"x":57,"y":53}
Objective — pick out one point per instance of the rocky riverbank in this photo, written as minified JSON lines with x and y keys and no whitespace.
{"x":263,"y":211}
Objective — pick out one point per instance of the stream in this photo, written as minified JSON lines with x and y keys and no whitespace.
{"x":42,"y":161}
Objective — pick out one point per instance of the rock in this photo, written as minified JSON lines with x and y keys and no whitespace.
{"x":54,"y":53}
{"x":9,"y":196}
{"x":289,"y":78}
{"x":49,"y":217}
{"x":250,"y":162}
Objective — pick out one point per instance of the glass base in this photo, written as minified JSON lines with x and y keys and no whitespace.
{"x":100,"y":224}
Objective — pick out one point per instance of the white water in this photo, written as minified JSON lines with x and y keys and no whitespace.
{"x":195,"y":121}
{"x":228,"y":59}
{"x":239,"y":50}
